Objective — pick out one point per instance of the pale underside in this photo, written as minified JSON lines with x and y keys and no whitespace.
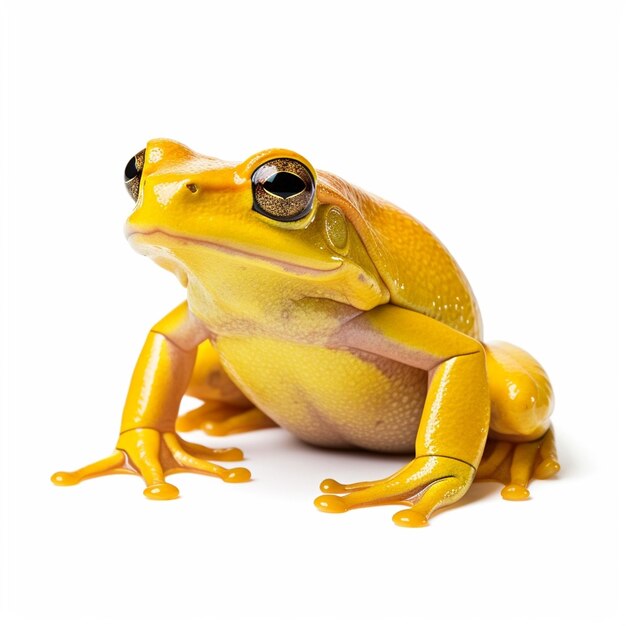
{"x":329,"y":397}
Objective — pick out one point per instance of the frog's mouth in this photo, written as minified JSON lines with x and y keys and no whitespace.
{"x":147,"y":242}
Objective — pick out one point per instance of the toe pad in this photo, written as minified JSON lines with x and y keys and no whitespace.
{"x":330,"y":504}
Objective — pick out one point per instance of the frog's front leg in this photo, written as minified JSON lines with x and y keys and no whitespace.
{"x":454,"y":422}
{"x":148,"y":444}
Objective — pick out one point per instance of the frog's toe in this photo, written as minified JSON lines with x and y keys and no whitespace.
{"x":222,"y":420}
{"x":546,"y":469}
{"x":237,"y":475}
{"x":65,"y":479}
{"x":161,"y":491}
{"x":330,"y":504}
{"x":208,"y":454}
{"x":440,"y":492}
{"x":548,"y":463}
{"x":252,"y":419}
{"x":209,"y":411}
{"x":515,"y":492}
{"x":113,"y":464}
{"x":332,"y":486}
{"x":185,"y":460}
{"x":410,"y":518}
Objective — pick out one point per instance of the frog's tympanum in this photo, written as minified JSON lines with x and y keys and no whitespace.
{"x":326,"y":310}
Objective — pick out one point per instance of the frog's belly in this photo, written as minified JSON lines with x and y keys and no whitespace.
{"x":329,"y":397}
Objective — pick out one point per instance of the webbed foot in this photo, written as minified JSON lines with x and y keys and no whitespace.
{"x":153,"y":456}
{"x":424,"y":485}
{"x":516,"y":464}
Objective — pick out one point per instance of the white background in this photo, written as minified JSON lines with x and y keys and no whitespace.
{"x":493,"y":122}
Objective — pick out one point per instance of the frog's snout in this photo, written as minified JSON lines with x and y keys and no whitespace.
{"x":132,"y":174}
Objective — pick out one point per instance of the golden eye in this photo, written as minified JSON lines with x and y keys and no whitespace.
{"x":283,"y":189}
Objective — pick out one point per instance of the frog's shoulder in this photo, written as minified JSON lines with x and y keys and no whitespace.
{"x":418,"y":270}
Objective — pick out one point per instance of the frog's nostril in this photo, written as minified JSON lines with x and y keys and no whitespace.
{"x":132,"y":174}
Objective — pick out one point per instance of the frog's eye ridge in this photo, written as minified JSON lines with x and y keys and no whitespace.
{"x":283,"y":189}
{"x":132,"y":174}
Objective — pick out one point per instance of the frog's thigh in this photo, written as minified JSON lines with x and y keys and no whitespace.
{"x":225,"y":410}
{"x":521,"y":394}
{"x":454,"y":423}
{"x":521,"y":445}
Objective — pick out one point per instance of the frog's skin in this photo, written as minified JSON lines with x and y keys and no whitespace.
{"x":331,"y":313}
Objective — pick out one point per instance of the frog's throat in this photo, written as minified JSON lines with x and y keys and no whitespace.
{"x":288,"y":266}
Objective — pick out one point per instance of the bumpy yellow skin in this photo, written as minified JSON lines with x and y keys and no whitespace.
{"x":350,"y":327}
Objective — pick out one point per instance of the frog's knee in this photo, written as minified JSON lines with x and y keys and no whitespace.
{"x":521,"y":394}
{"x":522,"y":410}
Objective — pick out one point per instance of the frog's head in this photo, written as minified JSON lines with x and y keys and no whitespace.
{"x":214,"y":221}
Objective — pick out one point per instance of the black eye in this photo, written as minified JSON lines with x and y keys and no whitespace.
{"x":132,"y":174}
{"x":284,"y":184}
{"x":283,"y":189}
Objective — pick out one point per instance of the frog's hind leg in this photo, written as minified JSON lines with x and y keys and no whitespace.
{"x":218,"y":419}
{"x":225,"y":410}
{"x":521,"y":443}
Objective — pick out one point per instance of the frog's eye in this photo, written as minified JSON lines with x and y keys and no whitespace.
{"x":132,"y":174}
{"x":283,"y":189}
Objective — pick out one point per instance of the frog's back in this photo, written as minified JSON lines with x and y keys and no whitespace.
{"x":418,"y":270}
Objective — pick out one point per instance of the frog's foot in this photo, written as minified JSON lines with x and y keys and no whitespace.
{"x":516,"y":464}
{"x":425,"y":484}
{"x":219,"y":420}
{"x":210,"y":411}
{"x":154,"y":455}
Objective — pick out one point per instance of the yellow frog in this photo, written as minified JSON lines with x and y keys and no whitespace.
{"x":321,"y":308}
